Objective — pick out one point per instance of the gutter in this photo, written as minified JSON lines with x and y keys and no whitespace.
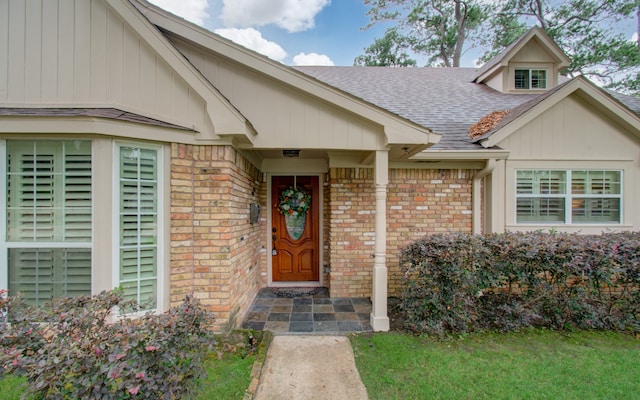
{"x":476,"y":201}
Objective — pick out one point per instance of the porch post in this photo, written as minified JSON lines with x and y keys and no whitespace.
{"x":379,"y":318}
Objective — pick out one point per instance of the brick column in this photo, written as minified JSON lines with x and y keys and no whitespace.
{"x":379,"y":318}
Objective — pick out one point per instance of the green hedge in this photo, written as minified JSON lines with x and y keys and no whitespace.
{"x":459,"y":283}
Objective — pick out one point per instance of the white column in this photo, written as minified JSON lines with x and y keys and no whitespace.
{"x":379,"y":318}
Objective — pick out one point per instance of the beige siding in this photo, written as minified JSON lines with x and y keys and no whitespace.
{"x":283,"y":115}
{"x":571,"y":130}
{"x":81,"y":53}
{"x":532,"y":51}
{"x":570,"y":135}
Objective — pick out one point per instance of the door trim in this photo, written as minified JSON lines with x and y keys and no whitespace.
{"x":320,"y":282}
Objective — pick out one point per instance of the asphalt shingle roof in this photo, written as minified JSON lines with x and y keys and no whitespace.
{"x":442,"y":99}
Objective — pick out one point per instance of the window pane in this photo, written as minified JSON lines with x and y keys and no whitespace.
{"x":551,"y":182}
{"x":139,"y":224}
{"x":538,"y":79}
{"x":596,"y":182}
{"x":48,"y":191}
{"x":41,"y":274}
{"x":521,"y":79}
{"x":525,"y":182}
{"x":596,"y":210}
{"x":541,"y":182}
{"x":540,"y":209}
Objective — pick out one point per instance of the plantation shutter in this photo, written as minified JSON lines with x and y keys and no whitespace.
{"x":596,"y":196}
{"x":540,"y":196}
{"x":49,"y":201}
{"x":139,"y":224}
{"x":41,"y":274}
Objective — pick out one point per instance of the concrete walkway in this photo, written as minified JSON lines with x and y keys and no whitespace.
{"x":310,"y":368}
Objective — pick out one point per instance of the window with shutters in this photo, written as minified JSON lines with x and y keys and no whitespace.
{"x":569,"y":196}
{"x":138,"y":187}
{"x":48,"y":220}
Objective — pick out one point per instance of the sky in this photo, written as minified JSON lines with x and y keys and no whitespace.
{"x":294,"y":32}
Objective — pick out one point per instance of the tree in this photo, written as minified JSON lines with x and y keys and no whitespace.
{"x":585,"y":30}
{"x":386,"y":52}
{"x":436,"y":28}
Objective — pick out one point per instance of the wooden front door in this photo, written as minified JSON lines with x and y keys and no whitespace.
{"x":295,"y":241}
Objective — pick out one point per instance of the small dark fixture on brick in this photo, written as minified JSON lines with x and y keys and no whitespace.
{"x":254,"y":213}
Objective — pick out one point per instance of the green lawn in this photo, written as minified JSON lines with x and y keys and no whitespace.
{"x":530,"y":365}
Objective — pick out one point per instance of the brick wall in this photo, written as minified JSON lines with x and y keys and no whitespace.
{"x":424,"y":201}
{"x":215,"y":252}
{"x":352,"y":226}
{"x":419,"y":202}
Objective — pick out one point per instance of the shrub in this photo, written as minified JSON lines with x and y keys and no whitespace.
{"x":458,"y":282}
{"x":77,"y":348}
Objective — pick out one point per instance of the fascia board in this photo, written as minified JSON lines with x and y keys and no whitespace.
{"x":398,"y":129}
{"x":429,"y":155}
{"x":226,"y":117}
{"x":585,"y":88}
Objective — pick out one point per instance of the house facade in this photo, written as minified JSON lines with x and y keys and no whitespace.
{"x":143,"y":152}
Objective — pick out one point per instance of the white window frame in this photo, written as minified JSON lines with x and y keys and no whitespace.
{"x":5,"y":245}
{"x":568,"y":197}
{"x":160,"y":273}
{"x":530,"y":86}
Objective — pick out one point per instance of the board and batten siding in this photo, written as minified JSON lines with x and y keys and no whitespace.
{"x":283,"y":115}
{"x":570,"y":135}
{"x":66,"y":53}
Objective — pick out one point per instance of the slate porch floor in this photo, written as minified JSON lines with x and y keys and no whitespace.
{"x":309,"y":314}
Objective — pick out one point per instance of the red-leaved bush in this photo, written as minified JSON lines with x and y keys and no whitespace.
{"x":459,"y":283}
{"x":74,"y":348}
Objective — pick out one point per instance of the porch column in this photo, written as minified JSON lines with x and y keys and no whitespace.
{"x":379,"y":318}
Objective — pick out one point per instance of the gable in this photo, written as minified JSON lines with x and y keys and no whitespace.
{"x":288,"y":108}
{"x":99,"y":53}
{"x":283,"y":115}
{"x":533,"y":50}
{"x":599,"y":102}
{"x":573,"y":129}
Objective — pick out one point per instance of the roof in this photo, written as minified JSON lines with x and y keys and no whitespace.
{"x":107,"y":113}
{"x":508,"y":52}
{"x":442,"y":99}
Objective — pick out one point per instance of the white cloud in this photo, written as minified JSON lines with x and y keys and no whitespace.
{"x":634,"y":37}
{"x":252,"y":39}
{"x":292,"y":15}
{"x":191,"y":10}
{"x":312,"y":59}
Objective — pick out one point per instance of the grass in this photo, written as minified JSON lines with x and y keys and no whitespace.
{"x":11,"y":386}
{"x":529,"y":365}
{"x":227,"y":377}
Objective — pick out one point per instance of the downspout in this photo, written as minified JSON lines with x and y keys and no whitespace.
{"x":476,"y":200}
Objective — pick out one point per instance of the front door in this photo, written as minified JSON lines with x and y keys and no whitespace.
{"x":294,"y":228}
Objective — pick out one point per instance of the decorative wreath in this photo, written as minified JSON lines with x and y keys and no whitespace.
{"x":294,"y":201}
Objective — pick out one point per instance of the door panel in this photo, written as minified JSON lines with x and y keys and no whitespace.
{"x":295,"y":259}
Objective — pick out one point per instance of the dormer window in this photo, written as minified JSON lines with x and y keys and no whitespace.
{"x":530,"y":79}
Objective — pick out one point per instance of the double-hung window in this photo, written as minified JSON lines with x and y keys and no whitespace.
{"x":48,"y":219}
{"x":530,"y":79}
{"x":138,"y":223}
{"x":568,"y":196}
